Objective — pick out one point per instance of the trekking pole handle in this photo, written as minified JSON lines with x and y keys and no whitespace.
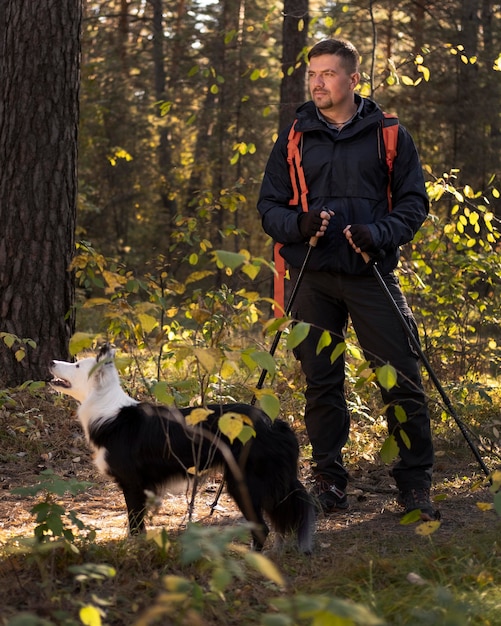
{"x":313,"y":241}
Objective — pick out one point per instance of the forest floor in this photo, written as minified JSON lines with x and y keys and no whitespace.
{"x":40,"y":431}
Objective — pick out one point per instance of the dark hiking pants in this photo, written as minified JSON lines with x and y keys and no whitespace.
{"x":326,"y":300}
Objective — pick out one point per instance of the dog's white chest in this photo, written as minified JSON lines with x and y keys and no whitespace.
{"x":100,"y":461}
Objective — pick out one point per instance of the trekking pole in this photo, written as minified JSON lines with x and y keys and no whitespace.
{"x":311,"y":244}
{"x":426,"y":363}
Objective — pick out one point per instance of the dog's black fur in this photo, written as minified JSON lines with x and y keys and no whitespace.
{"x":147,"y":446}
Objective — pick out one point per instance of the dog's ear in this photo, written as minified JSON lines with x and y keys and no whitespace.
{"x":107,"y":351}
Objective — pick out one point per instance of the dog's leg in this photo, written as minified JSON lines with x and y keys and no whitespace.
{"x":135,"y":499}
{"x":252,"y":510}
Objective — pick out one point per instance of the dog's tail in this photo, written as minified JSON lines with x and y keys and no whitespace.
{"x":296,"y":513}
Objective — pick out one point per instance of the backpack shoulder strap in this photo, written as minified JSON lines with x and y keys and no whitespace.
{"x":390,"y":138}
{"x":299,"y":196}
{"x":294,"y":158}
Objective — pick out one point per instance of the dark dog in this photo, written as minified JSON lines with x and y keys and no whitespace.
{"x":143,"y":447}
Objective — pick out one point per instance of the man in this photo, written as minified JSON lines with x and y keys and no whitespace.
{"x":343,"y":158}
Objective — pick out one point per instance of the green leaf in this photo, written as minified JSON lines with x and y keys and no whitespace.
{"x":270,"y":404}
{"x":224,"y":258}
{"x":8,"y":339}
{"x":160,"y":391}
{"x":400,"y":414}
{"x":263,"y":359}
{"x":387,"y":376}
{"x":298,"y":333}
{"x":221,"y":578}
{"x":497,"y":503}
{"x":246,"y":433}
{"x":53,"y":484}
{"x":411,"y":517}
{"x":338,"y":351}
{"x":324,"y":341}
{"x":389,"y":450}
{"x":405,"y":438}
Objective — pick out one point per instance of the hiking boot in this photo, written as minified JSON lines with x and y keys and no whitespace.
{"x":418,"y":499}
{"x":329,"y":498}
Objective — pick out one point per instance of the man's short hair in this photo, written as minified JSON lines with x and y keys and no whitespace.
{"x":340,"y":47}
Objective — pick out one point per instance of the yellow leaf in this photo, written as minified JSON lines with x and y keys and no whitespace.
{"x":208,"y":358}
{"x":228,"y":369}
{"x":251,"y":270}
{"x":485,"y":506}
{"x":90,"y":616}
{"x":231,"y":425}
{"x":81,"y":341}
{"x":148,"y":322}
{"x":265,"y":567}
{"x":427,"y":528}
{"x":197,"y":415}
{"x":425,"y":71}
{"x":407,"y":80}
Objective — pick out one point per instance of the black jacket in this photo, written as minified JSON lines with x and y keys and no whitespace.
{"x":347,"y":173}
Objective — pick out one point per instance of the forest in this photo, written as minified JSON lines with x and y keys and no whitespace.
{"x":133,"y":139}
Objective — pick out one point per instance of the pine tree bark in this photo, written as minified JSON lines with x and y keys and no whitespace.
{"x":39,"y":82}
{"x":294,"y":40}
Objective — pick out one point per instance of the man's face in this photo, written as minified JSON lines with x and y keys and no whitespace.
{"x":331,"y":86}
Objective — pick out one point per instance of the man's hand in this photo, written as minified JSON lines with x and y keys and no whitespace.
{"x":359,"y":237}
{"x":313,"y":223}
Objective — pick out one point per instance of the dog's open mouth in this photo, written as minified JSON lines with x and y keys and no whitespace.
{"x":60,"y":382}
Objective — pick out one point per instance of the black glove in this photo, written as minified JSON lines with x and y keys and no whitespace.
{"x":309,"y":223}
{"x":361,"y":236}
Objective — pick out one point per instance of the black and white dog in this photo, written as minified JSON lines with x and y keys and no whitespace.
{"x":144,"y":446}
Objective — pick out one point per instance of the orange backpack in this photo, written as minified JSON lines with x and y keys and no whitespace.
{"x":300,"y":191}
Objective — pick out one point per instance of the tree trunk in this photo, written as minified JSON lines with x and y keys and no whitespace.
{"x":294,"y":39}
{"x":39,"y":82}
